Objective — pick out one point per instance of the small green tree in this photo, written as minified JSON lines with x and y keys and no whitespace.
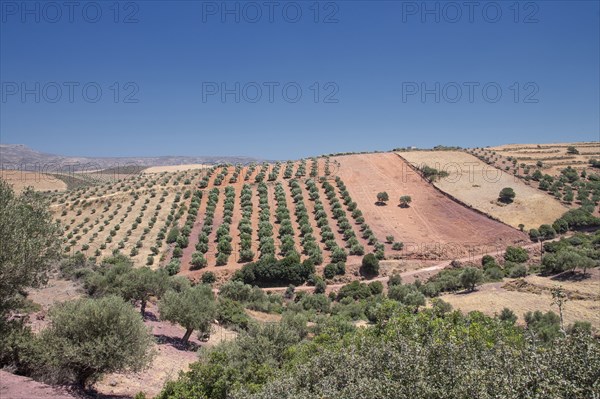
{"x":29,"y":243}
{"x":370,"y":265}
{"x":194,"y":309}
{"x":382,"y":197}
{"x":330,"y":271}
{"x":547,"y":232}
{"x":470,"y":277}
{"x":516,"y":254}
{"x":507,"y":195}
{"x":414,"y":299}
{"x":173,"y":235}
{"x":198,"y":261}
{"x":320,"y":286}
{"x":395,"y":279}
{"x":508,"y":316}
{"x":208,"y":278}
{"x":89,"y":337}
{"x":405,"y":201}
{"x":140,"y":284}
{"x":572,"y":150}
{"x":173,"y":267}
{"x":534,"y":234}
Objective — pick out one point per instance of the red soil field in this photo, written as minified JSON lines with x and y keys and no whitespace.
{"x":434,"y":226}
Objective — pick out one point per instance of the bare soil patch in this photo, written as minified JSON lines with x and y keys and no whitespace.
{"x":434,"y":226}
{"x":17,"y":387}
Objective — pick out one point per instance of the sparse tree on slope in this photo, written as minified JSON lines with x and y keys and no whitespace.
{"x":194,"y":309}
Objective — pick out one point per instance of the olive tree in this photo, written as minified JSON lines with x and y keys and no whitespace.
{"x":470,"y":277}
{"x":140,"y":284}
{"x":382,"y":197}
{"x":29,"y":243}
{"x":507,"y":195}
{"x":89,"y":337}
{"x":194,"y":309}
{"x":405,"y":201}
{"x":370,"y":265}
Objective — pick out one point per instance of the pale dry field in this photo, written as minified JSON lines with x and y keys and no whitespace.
{"x":477,"y":184}
{"x":20,"y":180}
{"x":553,"y":156}
{"x":492,"y":298}
{"x":175,"y":168}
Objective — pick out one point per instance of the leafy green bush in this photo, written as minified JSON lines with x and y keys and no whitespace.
{"x":89,"y":337}
{"x":516,"y":255}
{"x":370,"y":265}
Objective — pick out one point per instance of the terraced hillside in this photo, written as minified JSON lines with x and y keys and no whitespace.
{"x":568,"y":172}
{"x":553,"y":157}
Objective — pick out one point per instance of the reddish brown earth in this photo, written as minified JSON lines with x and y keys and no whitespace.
{"x":434,"y":226}
{"x":17,"y":387}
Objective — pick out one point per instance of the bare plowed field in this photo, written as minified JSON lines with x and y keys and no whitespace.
{"x":434,"y":226}
{"x":478,"y":185}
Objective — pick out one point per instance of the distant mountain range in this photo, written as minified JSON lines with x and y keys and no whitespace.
{"x":21,"y":157}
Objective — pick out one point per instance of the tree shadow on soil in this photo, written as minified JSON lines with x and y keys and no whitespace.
{"x":149,"y":316}
{"x":176,"y":343}
{"x":91,"y":394}
{"x":466,"y":292}
{"x":572,"y":276}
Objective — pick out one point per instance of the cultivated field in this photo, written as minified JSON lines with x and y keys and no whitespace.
{"x":306,"y":207}
{"x":20,"y":180}
{"x":478,"y":185}
{"x":433,"y":225}
{"x":135,"y":215}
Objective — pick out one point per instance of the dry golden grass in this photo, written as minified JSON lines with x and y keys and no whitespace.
{"x":478,"y":185}
{"x":553,"y":156}
{"x":20,"y":180}
{"x":492,"y":298}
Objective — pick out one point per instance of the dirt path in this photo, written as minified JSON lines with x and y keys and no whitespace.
{"x":196,"y":229}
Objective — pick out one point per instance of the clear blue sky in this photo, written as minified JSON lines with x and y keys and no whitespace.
{"x":369,"y":60}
